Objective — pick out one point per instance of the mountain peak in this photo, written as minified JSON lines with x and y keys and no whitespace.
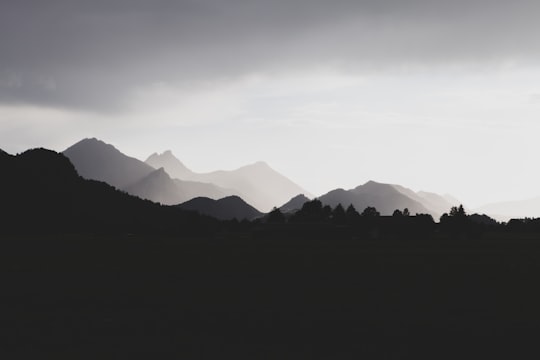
{"x":294,"y":204}
{"x":174,"y":167}
{"x":97,"y":160}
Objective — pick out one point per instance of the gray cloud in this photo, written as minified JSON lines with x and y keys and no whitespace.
{"x":92,"y":54}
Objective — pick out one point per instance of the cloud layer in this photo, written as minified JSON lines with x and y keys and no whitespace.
{"x":95,"y":55}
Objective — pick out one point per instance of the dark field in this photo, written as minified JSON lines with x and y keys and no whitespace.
{"x":265,"y":297}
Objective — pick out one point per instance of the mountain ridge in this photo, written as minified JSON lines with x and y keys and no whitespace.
{"x":227,"y":208}
{"x":258,"y":184}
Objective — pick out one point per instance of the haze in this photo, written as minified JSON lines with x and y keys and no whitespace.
{"x":434,"y":95}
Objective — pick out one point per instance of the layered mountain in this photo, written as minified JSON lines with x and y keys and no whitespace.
{"x":42,"y":192}
{"x":158,"y":186}
{"x":228,"y":208}
{"x":294,"y":204}
{"x":97,"y":160}
{"x":384,"y":197}
{"x":518,"y":209}
{"x":258,"y":184}
{"x":435,"y":203}
{"x":171,"y":164}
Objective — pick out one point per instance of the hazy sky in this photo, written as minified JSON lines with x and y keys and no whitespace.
{"x":435,"y":95}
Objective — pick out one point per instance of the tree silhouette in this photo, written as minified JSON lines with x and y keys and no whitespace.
{"x":457,"y":211}
{"x":338,"y":215}
{"x":370,"y":211}
{"x":397,"y":213}
{"x":276,"y":216}
{"x":312,"y":211}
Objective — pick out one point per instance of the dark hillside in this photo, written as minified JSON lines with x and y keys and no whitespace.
{"x":41,"y":192}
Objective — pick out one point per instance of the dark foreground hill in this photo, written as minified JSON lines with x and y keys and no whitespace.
{"x":42,"y":192}
{"x":228,"y":208}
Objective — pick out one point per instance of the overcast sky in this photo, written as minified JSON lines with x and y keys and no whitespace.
{"x":441,"y":96}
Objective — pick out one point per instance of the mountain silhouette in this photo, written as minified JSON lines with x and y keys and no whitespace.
{"x":97,"y":160}
{"x":294,"y":204}
{"x":258,"y":184}
{"x":42,"y":192}
{"x":384,"y":197}
{"x":435,"y":203}
{"x":228,"y":208}
{"x":158,"y":186}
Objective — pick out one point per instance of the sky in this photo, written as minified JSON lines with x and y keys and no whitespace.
{"x":440,"y":96}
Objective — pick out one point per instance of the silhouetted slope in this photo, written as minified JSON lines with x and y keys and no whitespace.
{"x":258,"y":183}
{"x":439,"y":203}
{"x":159,"y":187}
{"x":504,"y":211}
{"x":294,"y":204}
{"x":435,"y":203}
{"x":384,"y":197}
{"x":171,"y":164}
{"x":231,"y":207}
{"x":97,"y":160}
{"x":42,"y":192}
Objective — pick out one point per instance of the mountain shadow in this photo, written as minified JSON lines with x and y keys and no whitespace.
{"x":228,"y":208}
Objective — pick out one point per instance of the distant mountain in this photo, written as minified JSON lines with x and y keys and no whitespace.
{"x":158,"y":186}
{"x":231,"y":207}
{"x":258,"y":183}
{"x":435,"y":203}
{"x":384,"y":197}
{"x":171,"y":164}
{"x":97,"y":160}
{"x":294,"y":204}
{"x":504,"y":211}
{"x":439,"y":203}
{"x":42,"y":192}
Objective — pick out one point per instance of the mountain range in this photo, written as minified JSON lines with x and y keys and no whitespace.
{"x":249,"y":191}
{"x":163,"y":178}
{"x":387,"y":197}
{"x":258,"y":184}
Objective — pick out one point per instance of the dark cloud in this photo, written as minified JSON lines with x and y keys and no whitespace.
{"x":92,"y":54}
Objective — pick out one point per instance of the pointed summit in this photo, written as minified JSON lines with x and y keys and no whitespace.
{"x":294,"y":204}
{"x":97,"y":160}
{"x":174,"y":167}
